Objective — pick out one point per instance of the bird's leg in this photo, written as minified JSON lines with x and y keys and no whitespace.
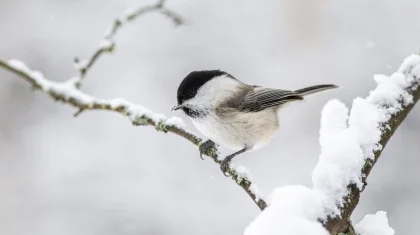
{"x":224,"y":164}
{"x":206,"y":146}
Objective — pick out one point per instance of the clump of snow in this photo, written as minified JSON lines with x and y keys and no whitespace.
{"x":293,"y":210}
{"x":105,"y":44}
{"x":257,"y":192}
{"x":274,"y":224}
{"x":390,"y":92}
{"x":68,"y":91}
{"x":376,"y":224}
{"x":409,"y":64}
{"x":36,"y":75}
{"x":175,"y":121}
{"x":346,"y":143}
{"x":129,"y":12}
{"x":333,"y":167}
{"x":243,"y":173}
{"x":136,"y":111}
{"x":18,"y":65}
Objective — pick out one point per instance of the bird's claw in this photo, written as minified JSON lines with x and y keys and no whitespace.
{"x":224,"y":166}
{"x":201,"y":156}
{"x":205,"y":147}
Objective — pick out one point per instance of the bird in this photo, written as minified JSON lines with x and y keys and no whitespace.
{"x":233,"y":114}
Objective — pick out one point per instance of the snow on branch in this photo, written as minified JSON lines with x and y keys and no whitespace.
{"x":376,"y":224}
{"x":69,"y":93}
{"x":351,"y":143}
{"x":107,"y":44}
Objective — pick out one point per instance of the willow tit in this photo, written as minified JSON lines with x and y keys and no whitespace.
{"x":233,"y":114}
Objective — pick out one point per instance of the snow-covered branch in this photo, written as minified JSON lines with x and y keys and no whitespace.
{"x":69,"y":93}
{"x":351,"y":143}
{"x":107,"y":44}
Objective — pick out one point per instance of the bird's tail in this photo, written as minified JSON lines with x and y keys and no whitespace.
{"x":315,"y":89}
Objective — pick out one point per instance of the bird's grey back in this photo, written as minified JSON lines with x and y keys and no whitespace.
{"x":256,"y":98}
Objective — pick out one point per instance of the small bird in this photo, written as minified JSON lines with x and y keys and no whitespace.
{"x":231,"y":113}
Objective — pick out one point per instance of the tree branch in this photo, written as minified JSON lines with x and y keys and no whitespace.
{"x":342,"y":223}
{"x":107,"y":44}
{"x":68,"y":93}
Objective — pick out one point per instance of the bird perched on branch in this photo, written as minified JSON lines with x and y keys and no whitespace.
{"x":231,"y":113}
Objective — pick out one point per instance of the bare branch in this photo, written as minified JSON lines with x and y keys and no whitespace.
{"x":107,"y":44}
{"x":68,"y":93}
{"x":177,"y":19}
{"x":342,"y":224}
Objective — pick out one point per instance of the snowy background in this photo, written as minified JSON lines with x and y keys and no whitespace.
{"x":97,"y":174}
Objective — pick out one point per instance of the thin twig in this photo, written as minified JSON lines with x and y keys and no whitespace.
{"x":107,"y":44}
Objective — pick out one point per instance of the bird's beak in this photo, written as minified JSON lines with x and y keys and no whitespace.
{"x":176,"y":107}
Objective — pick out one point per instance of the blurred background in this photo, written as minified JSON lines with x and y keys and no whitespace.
{"x":97,"y":174}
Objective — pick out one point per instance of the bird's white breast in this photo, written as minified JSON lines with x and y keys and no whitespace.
{"x":213,"y":128}
{"x":238,"y":130}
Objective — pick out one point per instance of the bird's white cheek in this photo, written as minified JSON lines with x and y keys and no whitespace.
{"x":204,"y":99}
{"x":215,"y":92}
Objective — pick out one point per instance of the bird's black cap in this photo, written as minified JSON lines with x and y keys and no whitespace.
{"x":193,"y":81}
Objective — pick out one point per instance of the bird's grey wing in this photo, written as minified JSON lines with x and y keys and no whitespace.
{"x":259,"y":98}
